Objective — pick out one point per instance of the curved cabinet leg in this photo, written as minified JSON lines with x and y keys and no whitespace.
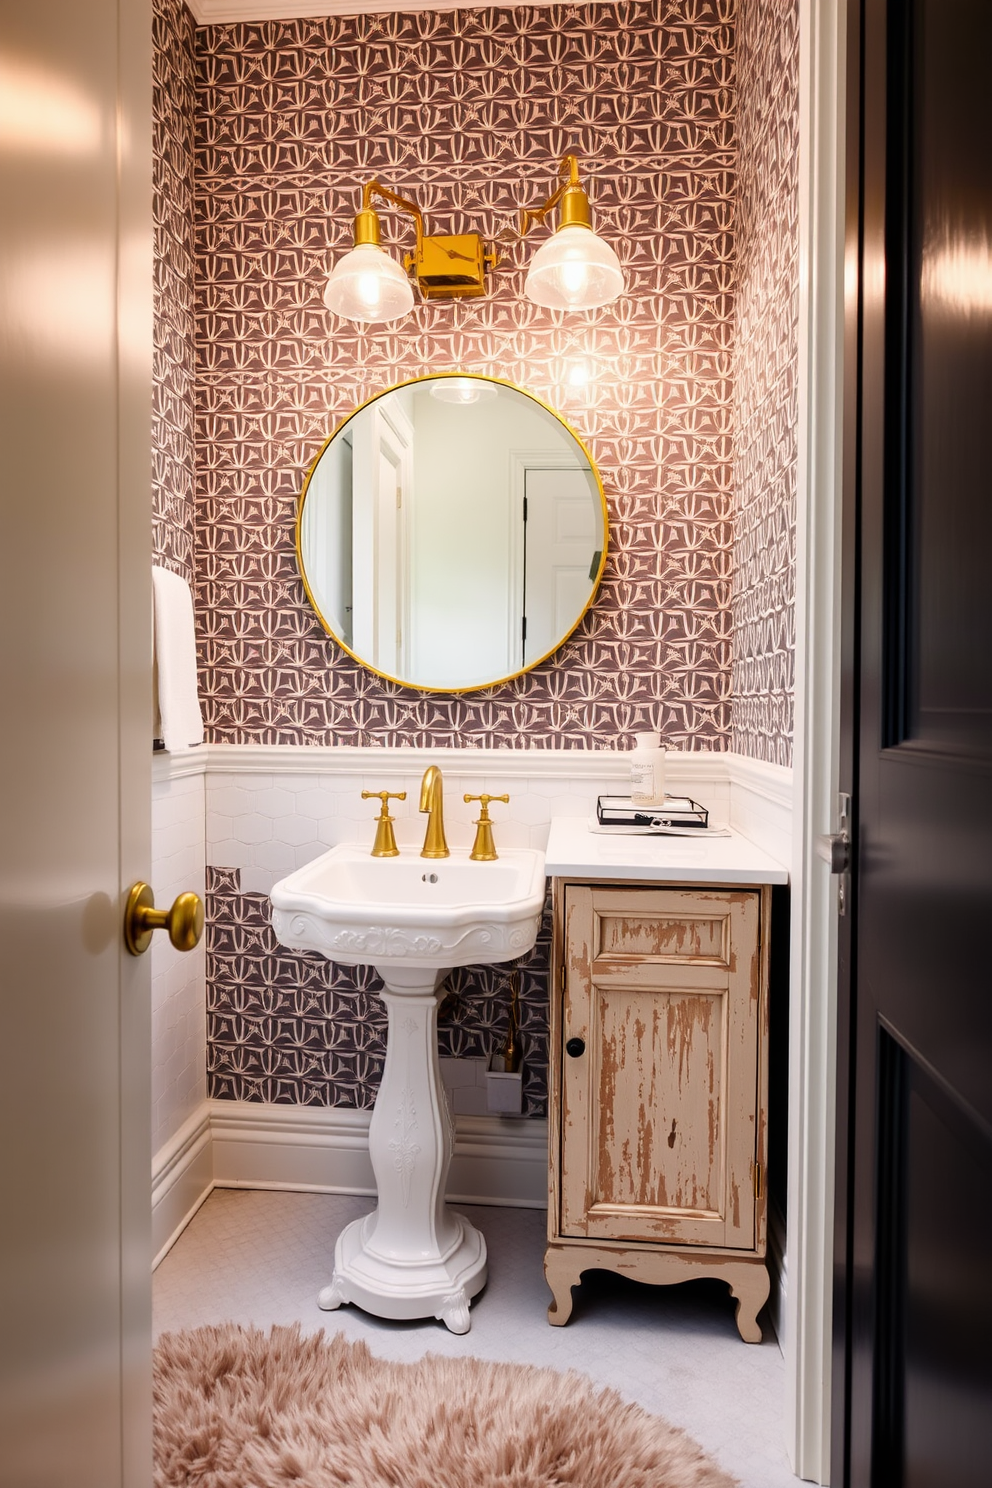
{"x":750,"y":1286}
{"x":749,"y":1282}
{"x":562,"y":1273}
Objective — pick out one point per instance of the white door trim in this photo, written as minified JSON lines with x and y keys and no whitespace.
{"x":813,"y":1032}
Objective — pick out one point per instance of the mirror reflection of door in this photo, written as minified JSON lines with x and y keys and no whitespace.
{"x":411,"y":540}
{"x":382,"y":481}
{"x":562,"y":549}
{"x":326,"y":535}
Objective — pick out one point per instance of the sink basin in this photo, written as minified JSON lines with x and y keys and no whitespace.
{"x":411,"y":911}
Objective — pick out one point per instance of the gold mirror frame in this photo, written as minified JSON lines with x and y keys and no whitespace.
{"x":510,"y":676}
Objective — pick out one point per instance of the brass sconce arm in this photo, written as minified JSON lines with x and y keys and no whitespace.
{"x":367,"y":221}
{"x":445,"y":267}
{"x":574,"y":201}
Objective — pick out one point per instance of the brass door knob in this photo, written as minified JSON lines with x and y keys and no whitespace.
{"x":184,"y":921}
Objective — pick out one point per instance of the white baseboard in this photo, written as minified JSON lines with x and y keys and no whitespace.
{"x":182,"y":1176}
{"x":325,"y":1149}
{"x":778,"y":1269}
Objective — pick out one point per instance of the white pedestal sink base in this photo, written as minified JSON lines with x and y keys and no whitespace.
{"x":441,"y":1288}
{"x":412,"y":918}
{"x":412,"y":1257}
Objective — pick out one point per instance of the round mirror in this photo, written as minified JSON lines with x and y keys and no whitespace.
{"x":452,"y":532}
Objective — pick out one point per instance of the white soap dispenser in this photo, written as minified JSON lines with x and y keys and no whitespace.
{"x":647,"y":771}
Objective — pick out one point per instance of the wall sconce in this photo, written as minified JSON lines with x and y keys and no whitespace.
{"x":367,"y":285}
{"x":576,"y":270}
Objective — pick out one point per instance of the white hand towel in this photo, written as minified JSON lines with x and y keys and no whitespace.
{"x":175,"y":655}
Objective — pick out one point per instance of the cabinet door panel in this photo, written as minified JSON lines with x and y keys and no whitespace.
{"x":659,"y":1114}
{"x":697,"y":933}
{"x":661,"y":1092}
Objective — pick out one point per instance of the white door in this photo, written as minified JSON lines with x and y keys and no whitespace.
{"x":388,"y":578}
{"x":382,"y":468}
{"x":326,"y":536}
{"x":562,"y":548}
{"x":75,"y":338}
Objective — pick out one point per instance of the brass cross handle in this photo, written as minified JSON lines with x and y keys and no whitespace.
{"x":385,"y":838}
{"x":484,"y":849}
{"x":184,"y":921}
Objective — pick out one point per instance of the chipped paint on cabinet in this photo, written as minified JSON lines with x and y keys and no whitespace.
{"x":658,"y":1129}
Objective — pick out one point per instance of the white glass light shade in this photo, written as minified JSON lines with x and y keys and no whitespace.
{"x":462,"y":390}
{"x":574,"y":270}
{"x":367,"y":285}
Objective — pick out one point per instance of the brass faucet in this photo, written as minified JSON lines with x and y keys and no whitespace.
{"x":431,"y":801}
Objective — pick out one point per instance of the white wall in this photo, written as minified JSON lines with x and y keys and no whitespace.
{"x":464,"y":529}
{"x":179,"y":1019}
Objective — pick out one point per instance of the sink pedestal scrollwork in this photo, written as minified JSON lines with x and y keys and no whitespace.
{"x":412,"y":1257}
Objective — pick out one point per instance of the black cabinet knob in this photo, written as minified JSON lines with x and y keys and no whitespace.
{"x":575,"y":1047}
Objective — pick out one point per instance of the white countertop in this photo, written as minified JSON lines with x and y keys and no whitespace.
{"x":574,"y":851}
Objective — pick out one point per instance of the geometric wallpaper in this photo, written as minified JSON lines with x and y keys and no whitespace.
{"x":765,"y":379}
{"x":684,"y":390}
{"x":173,"y":453}
{"x":469,"y":112}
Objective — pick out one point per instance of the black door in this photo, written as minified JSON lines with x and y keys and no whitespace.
{"x":913,"y":1386}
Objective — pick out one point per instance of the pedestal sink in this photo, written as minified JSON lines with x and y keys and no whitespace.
{"x":413,"y":919}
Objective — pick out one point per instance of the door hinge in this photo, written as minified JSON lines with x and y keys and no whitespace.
{"x":759,"y":1181}
{"x":563,"y":977}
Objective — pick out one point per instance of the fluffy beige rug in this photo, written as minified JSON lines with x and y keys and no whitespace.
{"x":236,"y":1408}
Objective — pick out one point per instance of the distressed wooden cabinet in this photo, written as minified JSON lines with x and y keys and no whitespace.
{"x":659,"y":1088}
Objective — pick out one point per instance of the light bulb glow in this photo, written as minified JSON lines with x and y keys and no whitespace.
{"x":574,"y":279}
{"x":367,"y":289}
